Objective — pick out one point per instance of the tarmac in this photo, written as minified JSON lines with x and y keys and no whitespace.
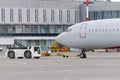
{"x":97,"y":66}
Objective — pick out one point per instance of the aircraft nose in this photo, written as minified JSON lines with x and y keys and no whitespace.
{"x":63,"y":39}
{"x":59,"y":39}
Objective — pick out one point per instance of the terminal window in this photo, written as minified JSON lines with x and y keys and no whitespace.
{"x":52,"y":16}
{"x":36,"y":15}
{"x":44,"y":16}
{"x":68,"y":16}
{"x":60,"y":15}
{"x":20,"y":15}
{"x":28,"y":15}
{"x":11,"y":15}
{"x":3,"y":15}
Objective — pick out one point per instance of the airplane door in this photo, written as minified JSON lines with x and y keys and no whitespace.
{"x":83,"y":30}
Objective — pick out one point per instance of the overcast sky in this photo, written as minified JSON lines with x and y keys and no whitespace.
{"x":116,"y":0}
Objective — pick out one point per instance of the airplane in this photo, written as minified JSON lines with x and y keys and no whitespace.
{"x":96,"y":34}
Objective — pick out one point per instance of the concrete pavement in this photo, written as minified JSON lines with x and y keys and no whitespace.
{"x":98,"y":66}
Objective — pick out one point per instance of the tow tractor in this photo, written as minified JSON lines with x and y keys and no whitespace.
{"x":23,"y":52}
{"x":30,"y":52}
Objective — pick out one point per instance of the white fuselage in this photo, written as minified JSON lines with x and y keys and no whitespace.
{"x":92,"y":34}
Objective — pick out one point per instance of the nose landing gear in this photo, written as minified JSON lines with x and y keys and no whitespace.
{"x":83,"y":54}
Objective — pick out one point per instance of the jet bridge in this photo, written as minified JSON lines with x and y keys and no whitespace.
{"x":6,"y":41}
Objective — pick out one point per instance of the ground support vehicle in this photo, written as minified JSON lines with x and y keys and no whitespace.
{"x":31,"y":52}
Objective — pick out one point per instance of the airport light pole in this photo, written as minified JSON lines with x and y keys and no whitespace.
{"x":87,"y":11}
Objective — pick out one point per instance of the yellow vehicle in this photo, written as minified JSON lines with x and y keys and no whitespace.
{"x":55,"y":47}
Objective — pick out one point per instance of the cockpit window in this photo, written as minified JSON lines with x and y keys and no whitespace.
{"x":68,"y":30}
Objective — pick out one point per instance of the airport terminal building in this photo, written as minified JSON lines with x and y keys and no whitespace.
{"x":38,"y":22}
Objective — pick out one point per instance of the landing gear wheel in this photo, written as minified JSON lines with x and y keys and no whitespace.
{"x":83,"y":55}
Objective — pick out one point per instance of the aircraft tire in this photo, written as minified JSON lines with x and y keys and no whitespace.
{"x":82,"y":55}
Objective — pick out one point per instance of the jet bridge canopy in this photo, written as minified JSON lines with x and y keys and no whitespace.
{"x":6,"y":41}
